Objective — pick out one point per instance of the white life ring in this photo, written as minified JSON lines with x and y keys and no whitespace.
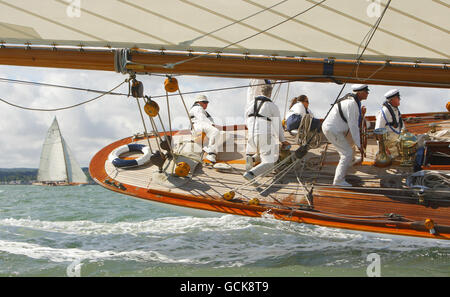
{"x":114,"y":156}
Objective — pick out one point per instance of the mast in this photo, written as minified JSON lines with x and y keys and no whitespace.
{"x":63,"y":146}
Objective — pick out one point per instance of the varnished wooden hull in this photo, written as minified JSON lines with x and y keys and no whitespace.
{"x":360,"y":208}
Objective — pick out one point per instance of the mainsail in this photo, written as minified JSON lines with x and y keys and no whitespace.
{"x":411,"y":30}
{"x":279,"y":39}
{"x":57,"y":161}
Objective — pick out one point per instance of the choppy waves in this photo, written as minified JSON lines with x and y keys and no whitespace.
{"x":130,"y":235}
{"x":227,"y":241}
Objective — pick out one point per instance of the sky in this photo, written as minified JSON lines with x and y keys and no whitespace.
{"x":90,"y":127}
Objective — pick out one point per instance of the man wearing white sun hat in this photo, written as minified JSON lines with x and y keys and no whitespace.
{"x":345,"y":116}
{"x":203,"y":123}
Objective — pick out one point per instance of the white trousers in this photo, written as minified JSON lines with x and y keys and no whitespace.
{"x":391,"y":144}
{"x":266,"y":147}
{"x":212,"y":133}
{"x":345,"y":150}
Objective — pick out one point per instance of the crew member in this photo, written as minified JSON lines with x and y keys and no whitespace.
{"x":254,"y":89}
{"x":298,"y":109}
{"x":203,"y":123}
{"x":346,"y":115}
{"x":389,"y":117}
{"x":265,"y":132}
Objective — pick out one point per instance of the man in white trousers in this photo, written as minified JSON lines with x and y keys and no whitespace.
{"x":345,"y":116}
{"x":389,"y":117}
{"x":203,"y":122}
{"x":254,"y":90}
{"x":265,"y":131}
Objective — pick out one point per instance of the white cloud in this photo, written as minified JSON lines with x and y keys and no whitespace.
{"x":90,"y":127}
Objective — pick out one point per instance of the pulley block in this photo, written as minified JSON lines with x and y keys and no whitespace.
{"x":158,"y":159}
{"x":137,"y":89}
{"x":171,"y":84}
{"x":151,"y":108}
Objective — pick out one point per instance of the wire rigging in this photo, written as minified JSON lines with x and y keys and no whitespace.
{"x":110,"y":92}
{"x":369,"y":37}
{"x":25,"y":82}
{"x":66,"y":107}
{"x":172,"y":65}
{"x":233,"y":23}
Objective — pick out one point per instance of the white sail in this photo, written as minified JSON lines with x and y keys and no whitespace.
{"x":74,"y":172}
{"x":409,"y":31}
{"x":52,"y":166}
{"x":57,"y":163}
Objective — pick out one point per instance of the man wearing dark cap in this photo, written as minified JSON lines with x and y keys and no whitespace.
{"x":346,"y":115}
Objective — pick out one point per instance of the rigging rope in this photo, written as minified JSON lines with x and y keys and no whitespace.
{"x":429,"y":179}
{"x":369,"y":37}
{"x":231,"y":24}
{"x":286,"y":102}
{"x":300,"y":77}
{"x":24,"y":82}
{"x":168,"y":112}
{"x":67,"y":107}
{"x":274,"y":179}
{"x":172,"y":65}
{"x":185,"y":107}
{"x":41,"y":84}
{"x":256,"y":178}
{"x":277,"y":91}
{"x":279,"y":175}
{"x":305,"y":77}
{"x":308,"y":192}
{"x":145,"y":127}
{"x":168,"y":139}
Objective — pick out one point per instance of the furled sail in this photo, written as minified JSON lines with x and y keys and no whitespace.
{"x":410,"y":30}
{"x":57,"y":163}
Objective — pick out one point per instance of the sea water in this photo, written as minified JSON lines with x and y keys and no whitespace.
{"x":90,"y":231}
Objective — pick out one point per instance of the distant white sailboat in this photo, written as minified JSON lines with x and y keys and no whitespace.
{"x":58,"y":165}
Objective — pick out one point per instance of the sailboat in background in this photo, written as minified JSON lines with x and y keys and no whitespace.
{"x":58,"y":165}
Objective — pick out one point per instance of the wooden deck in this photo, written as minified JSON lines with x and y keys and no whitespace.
{"x":378,"y":194}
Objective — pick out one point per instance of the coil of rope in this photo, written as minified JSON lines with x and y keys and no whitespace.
{"x":430,"y":179}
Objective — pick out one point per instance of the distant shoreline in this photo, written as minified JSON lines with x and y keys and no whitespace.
{"x":26,"y":176}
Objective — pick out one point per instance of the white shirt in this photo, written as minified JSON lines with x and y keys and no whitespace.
{"x":298,"y":108}
{"x":198,"y":114}
{"x":260,"y":125}
{"x":381,"y":120}
{"x":336,"y":124}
